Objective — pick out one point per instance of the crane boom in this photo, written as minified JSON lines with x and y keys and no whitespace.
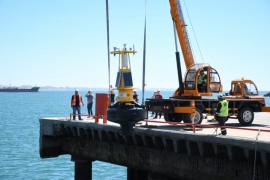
{"x":179,"y":22}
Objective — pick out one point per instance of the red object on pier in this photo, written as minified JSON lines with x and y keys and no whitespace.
{"x":102,"y":101}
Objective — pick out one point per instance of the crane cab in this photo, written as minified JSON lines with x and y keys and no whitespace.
{"x":201,"y":80}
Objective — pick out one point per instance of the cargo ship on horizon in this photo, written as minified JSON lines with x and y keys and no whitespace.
{"x":18,"y":89}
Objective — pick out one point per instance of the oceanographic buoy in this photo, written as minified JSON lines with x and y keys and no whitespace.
{"x":125,"y":111}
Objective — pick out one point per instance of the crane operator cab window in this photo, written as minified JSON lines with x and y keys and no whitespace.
{"x":202,"y":81}
{"x":205,"y":80}
{"x":190,"y":79}
{"x":214,"y":81}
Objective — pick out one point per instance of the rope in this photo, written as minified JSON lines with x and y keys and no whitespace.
{"x":144,"y":59}
{"x":193,"y":32}
{"x":256,"y":144}
{"x":215,"y":130}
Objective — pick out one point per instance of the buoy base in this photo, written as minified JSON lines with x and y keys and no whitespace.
{"x":126,"y":115}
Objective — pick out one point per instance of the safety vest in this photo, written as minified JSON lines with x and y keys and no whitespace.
{"x":201,"y":79}
{"x":74,"y":100}
{"x":224,"y":108}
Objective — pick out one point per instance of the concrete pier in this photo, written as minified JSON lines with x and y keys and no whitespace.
{"x":161,"y":151}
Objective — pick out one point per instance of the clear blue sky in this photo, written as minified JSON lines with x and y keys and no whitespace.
{"x":63,"y":42}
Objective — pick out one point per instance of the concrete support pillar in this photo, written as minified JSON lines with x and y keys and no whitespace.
{"x":154,"y":176}
{"x":135,"y":174}
{"x":82,"y":168}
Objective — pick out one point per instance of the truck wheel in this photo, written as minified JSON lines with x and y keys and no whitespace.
{"x":246,"y":116}
{"x":197,"y":119}
{"x":173,"y":117}
{"x":167,"y":116}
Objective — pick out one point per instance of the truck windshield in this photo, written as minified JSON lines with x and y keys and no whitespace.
{"x":250,"y":89}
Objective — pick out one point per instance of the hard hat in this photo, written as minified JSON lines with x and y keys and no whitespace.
{"x":76,"y":90}
{"x":220,"y":96}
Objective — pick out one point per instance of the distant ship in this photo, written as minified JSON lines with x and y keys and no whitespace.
{"x":267,"y":94}
{"x":17,"y":89}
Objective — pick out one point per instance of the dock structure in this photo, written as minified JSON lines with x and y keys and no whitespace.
{"x":160,"y":151}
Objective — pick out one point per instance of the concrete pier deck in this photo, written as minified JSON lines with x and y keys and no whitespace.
{"x":167,"y":151}
{"x":257,"y":130}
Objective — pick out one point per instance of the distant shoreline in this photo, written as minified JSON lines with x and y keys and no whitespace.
{"x":96,"y":89}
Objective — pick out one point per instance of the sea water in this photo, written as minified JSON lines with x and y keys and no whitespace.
{"x":19,"y":136}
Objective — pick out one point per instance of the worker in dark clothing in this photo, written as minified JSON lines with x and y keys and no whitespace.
{"x":222,"y":113}
{"x":111,"y":96}
{"x":135,"y":97}
{"x":90,"y":101}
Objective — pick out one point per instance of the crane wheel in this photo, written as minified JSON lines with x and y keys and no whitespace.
{"x":246,"y":116}
{"x":173,"y":117}
{"x":197,"y":119}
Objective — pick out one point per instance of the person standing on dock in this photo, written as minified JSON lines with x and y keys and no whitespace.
{"x":135,"y":97}
{"x":158,"y":96}
{"x":76,"y":102}
{"x":111,"y":96}
{"x":153,"y":97}
{"x":90,"y":100}
{"x":222,"y":113}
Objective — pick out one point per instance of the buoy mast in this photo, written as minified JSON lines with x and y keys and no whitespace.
{"x":124,"y":83}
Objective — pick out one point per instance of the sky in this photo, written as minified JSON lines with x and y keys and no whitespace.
{"x":63,"y":43}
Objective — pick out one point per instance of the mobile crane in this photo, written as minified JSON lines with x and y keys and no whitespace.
{"x":243,"y":98}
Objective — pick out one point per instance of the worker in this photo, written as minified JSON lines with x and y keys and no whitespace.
{"x":76,"y":102}
{"x":111,"y":95}
{"x":90,"y":101}
{"x":222,"y":113}
{"x":153,"y":97}
{"x":202,"y":81}
{"x":158,"y":96}
{"x":135,"y":97}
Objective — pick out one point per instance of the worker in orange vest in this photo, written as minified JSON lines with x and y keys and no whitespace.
{"x":76,"y":102}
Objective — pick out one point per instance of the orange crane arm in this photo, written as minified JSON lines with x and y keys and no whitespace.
{"x":179,"y":22}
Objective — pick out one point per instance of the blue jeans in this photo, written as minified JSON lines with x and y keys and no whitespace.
{"x":78,"y":109}
{"x":89,"y":108}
